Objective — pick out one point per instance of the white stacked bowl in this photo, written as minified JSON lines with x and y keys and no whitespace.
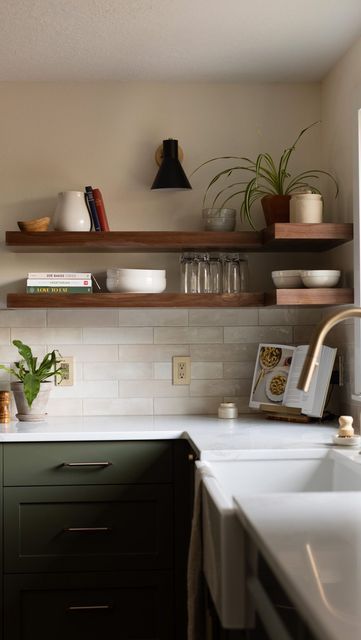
{"x":287,"y":279}
{"x":320,"y":278}
{"x":136,"y":280}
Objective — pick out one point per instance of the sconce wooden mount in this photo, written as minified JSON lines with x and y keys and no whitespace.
{"x":159,"y":154}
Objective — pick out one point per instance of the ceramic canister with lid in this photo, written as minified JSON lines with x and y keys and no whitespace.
{"x":306,"y":207}
{"x":227,"y":410}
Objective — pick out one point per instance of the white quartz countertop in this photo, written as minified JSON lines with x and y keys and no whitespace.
{"x":312,"y":541}
{"x":213,"y":438}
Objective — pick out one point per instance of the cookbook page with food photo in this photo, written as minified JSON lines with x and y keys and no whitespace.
{"x":271,"y":374}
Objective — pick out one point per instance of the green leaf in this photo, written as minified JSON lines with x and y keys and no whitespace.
{"x":31,"y":387}
{"x":236,"y":193}
{"x":230,"y":186}
{"x":217,"y":177}
{"x":25,"y":353}
{"x":313,"y":174}
{"x":218,"y":158}
{"x":10,"y":370}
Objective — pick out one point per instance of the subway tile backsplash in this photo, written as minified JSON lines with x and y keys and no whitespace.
{"x":123,"y":358}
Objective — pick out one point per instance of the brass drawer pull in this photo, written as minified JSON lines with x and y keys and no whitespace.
{"x":89,"y":607}
{"x":87,"y":529}
{"x":87,"y":464}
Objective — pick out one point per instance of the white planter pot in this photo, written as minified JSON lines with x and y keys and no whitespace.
{"x":37,"y":411}
{"x":306,"y":208}
{"x":71,"y":213}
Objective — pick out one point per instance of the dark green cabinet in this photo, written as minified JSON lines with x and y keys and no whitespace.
{"x":135,"y":606}
{"x":96,"y":539}
{"x":71,"y":463}
{"x":120,"y":527}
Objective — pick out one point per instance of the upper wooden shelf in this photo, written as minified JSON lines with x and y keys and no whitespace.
{"x":277,"y":237}
{"x":306,"y":237}
{"x":132,"y":241}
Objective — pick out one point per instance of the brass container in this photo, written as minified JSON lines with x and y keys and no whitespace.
{"x":5,"y":406}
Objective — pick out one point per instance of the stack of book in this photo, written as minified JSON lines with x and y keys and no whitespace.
{"x":95,"y":204}
{"x":61,"y":282}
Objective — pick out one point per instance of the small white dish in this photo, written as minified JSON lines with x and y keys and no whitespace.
{"x":321,"y":278}
{"x":350,"y":441}
{"x":287,"y":279}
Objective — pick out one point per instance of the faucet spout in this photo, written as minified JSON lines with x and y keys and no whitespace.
{"x":317,"y":341}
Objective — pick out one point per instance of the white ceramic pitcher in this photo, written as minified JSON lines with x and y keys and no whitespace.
{"x":71,"y":213}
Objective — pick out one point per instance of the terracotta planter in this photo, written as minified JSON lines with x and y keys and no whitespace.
{"x":37,"y":411}
{"x":276,"y":208}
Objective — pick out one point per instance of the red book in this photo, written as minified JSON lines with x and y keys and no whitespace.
{"x":99,"y":203}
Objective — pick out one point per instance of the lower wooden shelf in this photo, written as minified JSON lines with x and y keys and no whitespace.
{"x":308,"y":297}
{"x":97,"y":300}
{"x":278,"y":297}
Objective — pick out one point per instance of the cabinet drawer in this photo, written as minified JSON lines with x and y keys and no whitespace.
{"x":88,"y":528}
{"x":65,"y":463}
{"x":89,"y":607}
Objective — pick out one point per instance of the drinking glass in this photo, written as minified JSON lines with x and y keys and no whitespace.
{"x":189,"y":272}
{"x":215,"y":273}
{"x":244,"y":272}
{"x":202,"y":260}
{"x":235,"y":273}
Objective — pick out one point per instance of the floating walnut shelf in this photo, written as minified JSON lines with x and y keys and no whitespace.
{"x":308,"y":297}
{"x":98,"y":300}
{"x":132,"y":241}
{"x":278,"y":238}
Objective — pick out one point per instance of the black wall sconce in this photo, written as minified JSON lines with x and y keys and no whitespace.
{"x":170,"y":173}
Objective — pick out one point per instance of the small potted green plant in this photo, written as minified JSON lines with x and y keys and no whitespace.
{"x":32,"y":388}
{"x":266,"y":179}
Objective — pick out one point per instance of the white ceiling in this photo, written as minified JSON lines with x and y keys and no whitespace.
{"x":175,"y":40}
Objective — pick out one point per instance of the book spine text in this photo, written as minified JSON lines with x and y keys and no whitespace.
{"x":60,"y":275}
{"x":59,"y":290}
{"x":49,"y":282}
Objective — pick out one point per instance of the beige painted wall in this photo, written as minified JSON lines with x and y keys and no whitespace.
{"x":62,"y":136}
{"x":340,"y":98}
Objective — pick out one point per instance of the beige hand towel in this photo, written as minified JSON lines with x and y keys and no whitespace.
{"x":196,"y":592}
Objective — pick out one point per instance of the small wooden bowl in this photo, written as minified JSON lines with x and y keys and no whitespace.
{"x":37,"y":224}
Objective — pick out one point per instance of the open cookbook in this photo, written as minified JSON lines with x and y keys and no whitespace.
{"x":276,"y":375}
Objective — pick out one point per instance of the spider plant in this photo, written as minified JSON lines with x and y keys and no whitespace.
{"x":268,"y":177}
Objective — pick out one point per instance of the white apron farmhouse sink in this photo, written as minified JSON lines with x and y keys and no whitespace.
{"x":256,"y":472}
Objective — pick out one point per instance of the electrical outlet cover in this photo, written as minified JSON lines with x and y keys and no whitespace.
{"x":181,"y":370}
{"x":67,"y":364}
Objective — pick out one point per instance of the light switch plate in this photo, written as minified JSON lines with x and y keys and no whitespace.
{"x":66,"y":363}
